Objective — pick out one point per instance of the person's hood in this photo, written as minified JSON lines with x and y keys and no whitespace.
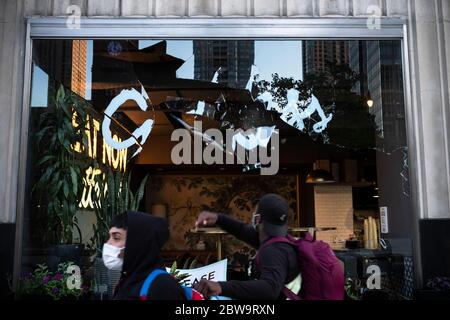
{"x":146,"y":235}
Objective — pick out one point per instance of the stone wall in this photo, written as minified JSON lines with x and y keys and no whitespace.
{"x":218,"y":8}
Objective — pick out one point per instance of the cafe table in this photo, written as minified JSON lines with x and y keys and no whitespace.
{"x":219,"y":233}
{"x":212,"y":232}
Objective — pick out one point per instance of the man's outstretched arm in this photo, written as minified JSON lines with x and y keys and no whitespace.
{"x":269,"y":286}
{"x":243,"y":231}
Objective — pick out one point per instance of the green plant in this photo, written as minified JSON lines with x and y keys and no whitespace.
{"x":176,"y":273}
{"x":54,"y":285}
{"x":59,"y":166}
{"x":112,"y":197}
{"x":353,"y":288}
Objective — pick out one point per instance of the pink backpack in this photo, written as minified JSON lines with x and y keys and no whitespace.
{"x":322,"y":273}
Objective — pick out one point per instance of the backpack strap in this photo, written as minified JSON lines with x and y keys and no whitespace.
{"x":151,"y":277}
{"x":289,"y":294}
{"x":271,"y":241}
{"x":287,"y":239}
{"x":148,"y":282}
{"x":188,"y":292}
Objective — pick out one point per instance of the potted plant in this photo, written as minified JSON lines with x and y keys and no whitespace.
{"x":60,"y":141}
{"x":174,"y":272}
{"x":43,"y":284}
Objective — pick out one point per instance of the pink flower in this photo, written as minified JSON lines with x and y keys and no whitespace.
{"x":58,"y":276}
{"x":46,"y":279}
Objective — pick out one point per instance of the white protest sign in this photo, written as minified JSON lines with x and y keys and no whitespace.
{"x":215,"y":272}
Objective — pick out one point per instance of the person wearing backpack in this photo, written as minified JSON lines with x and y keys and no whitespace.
{"x":281,"y":261}
{"x":134,"y":246}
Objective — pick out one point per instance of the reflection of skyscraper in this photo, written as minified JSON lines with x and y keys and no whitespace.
{"x":64,"y":61}
{"x":235,"y":58}
{"x":380,"y":67}
{"x":54,"y":57}
{"x":317,"y":52}
{"x":392,"y":93}
{"x":79,"y":56}
{"x":364,"y":60}
{"x":357,"y":56}
{"x":373,"y":75}
{"x":355,"y":60}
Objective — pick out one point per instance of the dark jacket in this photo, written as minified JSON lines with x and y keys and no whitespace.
{"x":278,"y":265}
{"x":145,"y":237}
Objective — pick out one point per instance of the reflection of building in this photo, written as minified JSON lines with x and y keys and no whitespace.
{"x":372,"y":75}
{"x":64,"y":61}
{"x":364,"y":60}
{"x":392,"y":93}
{"x":79,"y":56}
{"x":235,"y":58}
{"x":379,"y":65}
{"x":54,"y":58}
{"x":317,"y":53}
{"x":357,"y":57}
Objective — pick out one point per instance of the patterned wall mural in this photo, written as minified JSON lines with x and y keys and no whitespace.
{"x":186,"y":196}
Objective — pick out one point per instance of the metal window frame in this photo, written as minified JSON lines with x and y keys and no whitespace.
{"x":323,"y":28}
{"x":223,"y":28}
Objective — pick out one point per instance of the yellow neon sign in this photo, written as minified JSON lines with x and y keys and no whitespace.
{"x":116,"y":159}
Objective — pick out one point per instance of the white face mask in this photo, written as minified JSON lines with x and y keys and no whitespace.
{"x":111,"y":257}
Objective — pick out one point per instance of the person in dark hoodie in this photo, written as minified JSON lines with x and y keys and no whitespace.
{"x":134,"y":246}
{"x":278,"y":263}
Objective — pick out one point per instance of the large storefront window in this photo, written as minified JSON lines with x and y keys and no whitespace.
{"x":174,"y":127}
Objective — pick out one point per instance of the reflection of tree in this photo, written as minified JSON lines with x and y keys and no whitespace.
{"x":352,"y":125}
{"x":279,"y":87}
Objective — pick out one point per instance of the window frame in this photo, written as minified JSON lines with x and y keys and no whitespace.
{"x":228,"y":29}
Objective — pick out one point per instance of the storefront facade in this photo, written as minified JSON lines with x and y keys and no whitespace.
{"x":420,"y":29}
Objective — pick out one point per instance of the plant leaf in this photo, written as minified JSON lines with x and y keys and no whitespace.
{"x":74,"y":177}
{"x":60,"y":95}
{"x":140,"y":192}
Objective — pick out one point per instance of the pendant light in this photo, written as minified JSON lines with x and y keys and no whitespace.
{"x":319,"y":176}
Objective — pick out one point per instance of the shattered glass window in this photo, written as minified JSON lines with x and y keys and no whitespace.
{"x":345,"y":96}
{"x":343,"y":93}
{"x":321,"y":114}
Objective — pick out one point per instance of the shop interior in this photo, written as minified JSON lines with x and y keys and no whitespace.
{"x":338,"y":179}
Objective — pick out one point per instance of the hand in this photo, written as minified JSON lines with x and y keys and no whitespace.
{"x":208,"y":288}
{"x":206,"y":219}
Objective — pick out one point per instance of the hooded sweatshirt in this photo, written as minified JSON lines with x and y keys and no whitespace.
{"x":146,"y":235}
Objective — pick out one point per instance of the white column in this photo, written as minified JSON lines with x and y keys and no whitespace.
{"x":428,"y":49}
{"x":11,"y":78}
